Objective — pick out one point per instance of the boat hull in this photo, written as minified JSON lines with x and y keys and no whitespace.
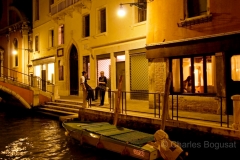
{"x":117,"y":139}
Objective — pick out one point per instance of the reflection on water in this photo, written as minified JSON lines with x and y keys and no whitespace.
{"x":28,"y":136}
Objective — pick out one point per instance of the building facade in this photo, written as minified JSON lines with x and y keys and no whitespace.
{"x":200,"y":40}
{"x":71,"y":36}
{"x":15,"y":39}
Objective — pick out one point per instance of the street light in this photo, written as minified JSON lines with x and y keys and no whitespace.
{"x":25,"y":49}
{"x":140,"y":5}
{"x":15,"y":50}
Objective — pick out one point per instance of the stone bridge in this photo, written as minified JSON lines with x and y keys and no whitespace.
{"x":19,"y":94}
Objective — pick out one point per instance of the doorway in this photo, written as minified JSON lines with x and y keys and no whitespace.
{"x":120,"y":70}
{"x":43,"y":80}
{"x":73,"y":61}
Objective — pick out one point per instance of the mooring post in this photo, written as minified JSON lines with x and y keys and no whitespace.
{"x":118,"y":98}
{"x":165,"y":112}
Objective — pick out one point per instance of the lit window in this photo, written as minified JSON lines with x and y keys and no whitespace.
{"x":176,"y":74}
{"x":195,"y":76}
{"x":37,"y":70}
{"x":235,"y":67}
{"x":61,"y":34}
{"x":120,"y":58}
{"x":51,"y":72}
{"x":104,"y":65}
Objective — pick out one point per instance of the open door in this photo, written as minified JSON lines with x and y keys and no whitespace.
{"x":44,"y":80}
{"x":120,"y":70}
{"x":74,"y":81}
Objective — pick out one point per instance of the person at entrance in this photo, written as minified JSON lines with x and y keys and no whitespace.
{"x":102,"y":84}
{"x":86,"y":87}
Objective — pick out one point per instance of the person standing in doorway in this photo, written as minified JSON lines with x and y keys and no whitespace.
{"x":86,"y":87}
{"x":102,"y":84}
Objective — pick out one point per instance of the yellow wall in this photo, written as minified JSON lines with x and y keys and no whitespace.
{"x":123,"y":35}
{"x":163,"y":16}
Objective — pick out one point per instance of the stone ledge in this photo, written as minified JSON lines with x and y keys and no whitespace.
{"x":137,"y":122}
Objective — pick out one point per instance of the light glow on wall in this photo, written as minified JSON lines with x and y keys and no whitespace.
{"x":37,"y":71}
{"x":51,"y":72}
{"x":120,"y":58}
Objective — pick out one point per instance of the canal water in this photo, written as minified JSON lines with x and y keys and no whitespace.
{"x":25,"y":135}
{"x":30,"y":136}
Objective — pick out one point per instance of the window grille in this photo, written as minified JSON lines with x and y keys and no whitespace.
{"x":139,"y":76}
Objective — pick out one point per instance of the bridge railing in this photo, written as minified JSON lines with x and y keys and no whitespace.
{"x":27,"y":80}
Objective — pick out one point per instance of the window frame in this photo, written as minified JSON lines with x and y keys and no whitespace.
{"x":186,"y":12}
{"x":36,"y":41}
{"x":60,"y":71}
{"x":86,"y":26}
{"x":102,"y":26}
{"x":141,"y":13}
{"x":205,"y":84}
{"x":61,"y":34}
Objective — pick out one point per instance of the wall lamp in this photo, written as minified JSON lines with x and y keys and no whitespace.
{"x":140,"y":5}
{"x":15,"y":50}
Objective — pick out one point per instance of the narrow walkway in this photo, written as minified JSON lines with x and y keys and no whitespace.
{"x":140,"y":109}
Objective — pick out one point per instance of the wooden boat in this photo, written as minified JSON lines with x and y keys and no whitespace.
{"x":123,"y":140}
{"x":117,"y":139}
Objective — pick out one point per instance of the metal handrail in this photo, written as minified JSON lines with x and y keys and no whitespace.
{"x":27,"y":80}
{"x":221,"y":118}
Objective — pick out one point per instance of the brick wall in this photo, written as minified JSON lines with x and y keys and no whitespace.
{"x":195,"y":103}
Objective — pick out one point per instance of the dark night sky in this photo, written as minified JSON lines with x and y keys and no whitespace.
{"x":24,"y":6}
{"x":1,"y":9}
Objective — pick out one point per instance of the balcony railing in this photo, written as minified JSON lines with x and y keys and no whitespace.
{"x":61,"y":5}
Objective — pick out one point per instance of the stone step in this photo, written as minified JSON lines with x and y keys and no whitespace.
{"x":67,"y":109}
{"x":64,"y":104}
{"x":74,"y":102}
{"x":53,"y":114}
{"x":52,"y":111}
{"x":69,"y":101}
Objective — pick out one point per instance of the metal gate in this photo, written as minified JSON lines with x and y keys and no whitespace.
{"x":138,"y":76}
